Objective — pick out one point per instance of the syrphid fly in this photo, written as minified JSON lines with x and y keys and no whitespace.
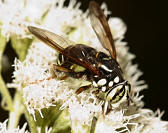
{"x":101,"y":69}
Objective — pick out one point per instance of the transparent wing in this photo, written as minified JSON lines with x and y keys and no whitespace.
{"x":101,"y":27}
{"x":53,"y":40}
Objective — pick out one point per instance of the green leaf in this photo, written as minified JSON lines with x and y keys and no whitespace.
{"x":2,"y":47}
{"x":20,"y":46}
{"x":62,"y":123}
{"x":49,"y":116}
{"x":15,"y":114}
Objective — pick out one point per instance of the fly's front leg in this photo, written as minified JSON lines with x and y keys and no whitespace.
{"x":106,"y":107}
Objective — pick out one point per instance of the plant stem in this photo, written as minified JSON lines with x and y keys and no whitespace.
{"x":14,"y":115}
{"x":62,"y":123}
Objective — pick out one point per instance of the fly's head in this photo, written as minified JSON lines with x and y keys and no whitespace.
{"x":118,"y":94}
{"x":115,"y":91}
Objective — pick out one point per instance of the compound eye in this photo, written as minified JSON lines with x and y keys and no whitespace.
{"x":116,"y":94}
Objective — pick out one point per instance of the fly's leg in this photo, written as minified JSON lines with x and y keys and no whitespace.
{"x":106,"y":107}
{"x":38,"y":81}
{"x":82,"y":88}
{"x":70,"y":72}
{"x":62,"y":68}
{"x":74,"y":74}
{"x":93,"y":125}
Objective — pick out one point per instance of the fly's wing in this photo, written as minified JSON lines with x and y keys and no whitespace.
{"x":56,"y":42}
{"x":53,"y":40}
{"x":101,"y":27}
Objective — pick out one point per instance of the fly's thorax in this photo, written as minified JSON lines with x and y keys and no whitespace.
{"x":106,"y":64}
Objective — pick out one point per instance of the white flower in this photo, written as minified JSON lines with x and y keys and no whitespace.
{"x":84,"y":108}
{"x":16,"y":15}
{"x":45,"y":94}
{"x":4,"y":129}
